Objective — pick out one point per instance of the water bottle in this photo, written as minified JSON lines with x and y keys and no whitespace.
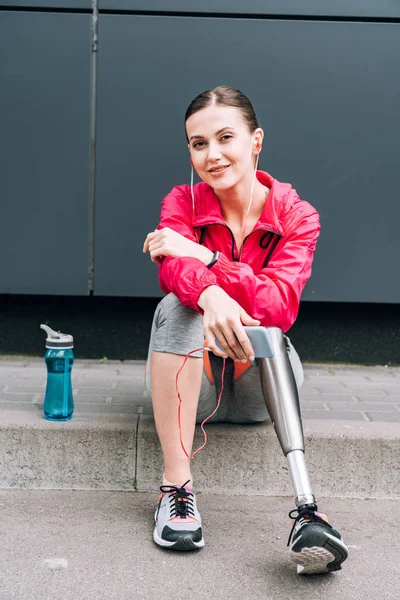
{"x":59,"y":357}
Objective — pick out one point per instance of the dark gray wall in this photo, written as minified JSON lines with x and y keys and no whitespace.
{"x":44,"y":152}
{"x":326,"y":93}
{"x":328,"y":100}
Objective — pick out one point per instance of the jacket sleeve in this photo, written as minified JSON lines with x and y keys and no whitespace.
{"x":273,"y":295}
{"x":185,"y":277}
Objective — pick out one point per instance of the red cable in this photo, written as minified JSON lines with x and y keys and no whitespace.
{"x":207,"y":418}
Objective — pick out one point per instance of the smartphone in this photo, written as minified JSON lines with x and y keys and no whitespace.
{"x":260,"y":340}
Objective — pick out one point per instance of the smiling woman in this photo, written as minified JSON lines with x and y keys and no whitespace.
{"x":226,"y":158}
{"x":234,"y":250}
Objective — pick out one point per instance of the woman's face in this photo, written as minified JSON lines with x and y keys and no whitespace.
{"x":221,"y":146}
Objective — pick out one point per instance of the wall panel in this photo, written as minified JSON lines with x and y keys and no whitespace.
{"x":44,"y":152}
{"x":329,"y":8}
{"x":327,"y":95}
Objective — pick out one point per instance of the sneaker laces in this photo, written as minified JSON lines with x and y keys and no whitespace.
{"x":305,"y":515}
{"x":180,"y":500}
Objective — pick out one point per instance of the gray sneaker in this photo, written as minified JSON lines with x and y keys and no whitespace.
{"x":178,"y":522}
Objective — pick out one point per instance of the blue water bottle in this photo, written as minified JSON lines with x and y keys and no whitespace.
{"x":59,"y":357}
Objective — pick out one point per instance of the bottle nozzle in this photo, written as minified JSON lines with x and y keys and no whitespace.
{"x":57,"y":339}
{"x":50,"y":332}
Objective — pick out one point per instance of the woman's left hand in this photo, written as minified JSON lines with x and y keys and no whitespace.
{"x":167,"y":242}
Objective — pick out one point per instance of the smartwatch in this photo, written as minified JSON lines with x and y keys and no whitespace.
{"x":214,"y":259}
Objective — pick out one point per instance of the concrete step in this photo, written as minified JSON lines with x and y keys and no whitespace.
{"x":110,"y":452}
{"x":111,"y":443}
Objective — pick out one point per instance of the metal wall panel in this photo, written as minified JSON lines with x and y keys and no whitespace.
{"x":329,"y":8}
{"x":327,"y":95}
{"x":81,"y":4}
{"x":44,"y":152}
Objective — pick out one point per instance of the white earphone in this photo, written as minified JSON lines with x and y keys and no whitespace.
{"x":251,"y":191}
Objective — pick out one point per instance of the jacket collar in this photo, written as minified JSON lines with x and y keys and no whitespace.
{"x":208,"y":208}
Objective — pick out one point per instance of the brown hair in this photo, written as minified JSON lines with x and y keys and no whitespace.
{"x":224,"y":95}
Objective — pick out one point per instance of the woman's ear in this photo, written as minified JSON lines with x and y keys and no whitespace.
{"x":258,"y":140}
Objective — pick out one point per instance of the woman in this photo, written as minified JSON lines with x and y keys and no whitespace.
{"x":234,"y":250}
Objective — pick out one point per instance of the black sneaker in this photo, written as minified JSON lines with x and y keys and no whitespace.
{"x":316,"y":547}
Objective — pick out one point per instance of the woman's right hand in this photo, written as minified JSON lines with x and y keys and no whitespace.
{"x":224,"y":319}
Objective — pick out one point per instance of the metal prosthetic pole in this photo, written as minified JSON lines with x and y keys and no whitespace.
{"x":282,"y":400}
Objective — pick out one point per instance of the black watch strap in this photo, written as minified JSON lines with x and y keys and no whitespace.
{"x":214,"y":259}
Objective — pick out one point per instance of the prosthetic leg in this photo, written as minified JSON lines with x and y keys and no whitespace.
{"x":315,"y":546}
{"x":282,"y":400}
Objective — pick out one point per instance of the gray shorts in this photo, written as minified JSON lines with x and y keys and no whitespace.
{"x":178,"y":329}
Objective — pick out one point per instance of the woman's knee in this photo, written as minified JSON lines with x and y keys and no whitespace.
{"x":177,"y":329}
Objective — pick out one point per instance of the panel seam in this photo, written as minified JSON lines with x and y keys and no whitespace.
{"x":207,"y":15}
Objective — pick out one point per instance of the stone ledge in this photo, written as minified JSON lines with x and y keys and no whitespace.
{"x":122,"y":452}
{"x":344,"y":458}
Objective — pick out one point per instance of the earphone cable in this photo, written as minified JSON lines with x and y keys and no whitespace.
{"x":207,"y":418}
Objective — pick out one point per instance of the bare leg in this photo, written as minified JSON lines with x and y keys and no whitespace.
{"x":163,"y":369}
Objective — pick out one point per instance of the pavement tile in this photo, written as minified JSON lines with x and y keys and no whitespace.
{"x":349,"y":390}
{"x":380,"y":399}
{"x":336,"y":400}
{"x":350,"y":371}
{"x":126,"y":400}
{"x":340,"y":415}
{"x":392,"y":390}
{"x":95,"y":390}
{"x":362,"y":406}
{"x":126,"y":384}
{"x":19,"y":380}
{"x":309,"y":390}
{"x":110,"y":379}
{"x":384,"y":416}
{"x":21,"y":398}
{"x":332,"y":388}
{"x":91,"y":399}
{"x":22,"y":407}
{"x":382,"y":392}
{"x":389,"y":377}
{"x":104,"y":409}
{"x":123,"y":400}
{"x":133,"y":388}
{"x":311,"y":405}
{"x":23,"y":389}
{"x":325,"y":398}
{"x":345,"y":389}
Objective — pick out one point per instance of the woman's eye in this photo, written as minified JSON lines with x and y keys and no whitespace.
{"x":226,"y":137}
{"x":198,"y":144}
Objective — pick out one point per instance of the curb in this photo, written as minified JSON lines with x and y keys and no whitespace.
{"x":122,"y":452}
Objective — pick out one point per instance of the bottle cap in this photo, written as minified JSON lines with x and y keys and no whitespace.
{"x":59,"y":340}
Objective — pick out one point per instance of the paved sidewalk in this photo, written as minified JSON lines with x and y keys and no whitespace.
{"x":351,"y":422}
{"x":345,"y":392}
{"x":63,"y":545}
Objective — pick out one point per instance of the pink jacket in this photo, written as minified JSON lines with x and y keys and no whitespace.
{"x":276,"y":257}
